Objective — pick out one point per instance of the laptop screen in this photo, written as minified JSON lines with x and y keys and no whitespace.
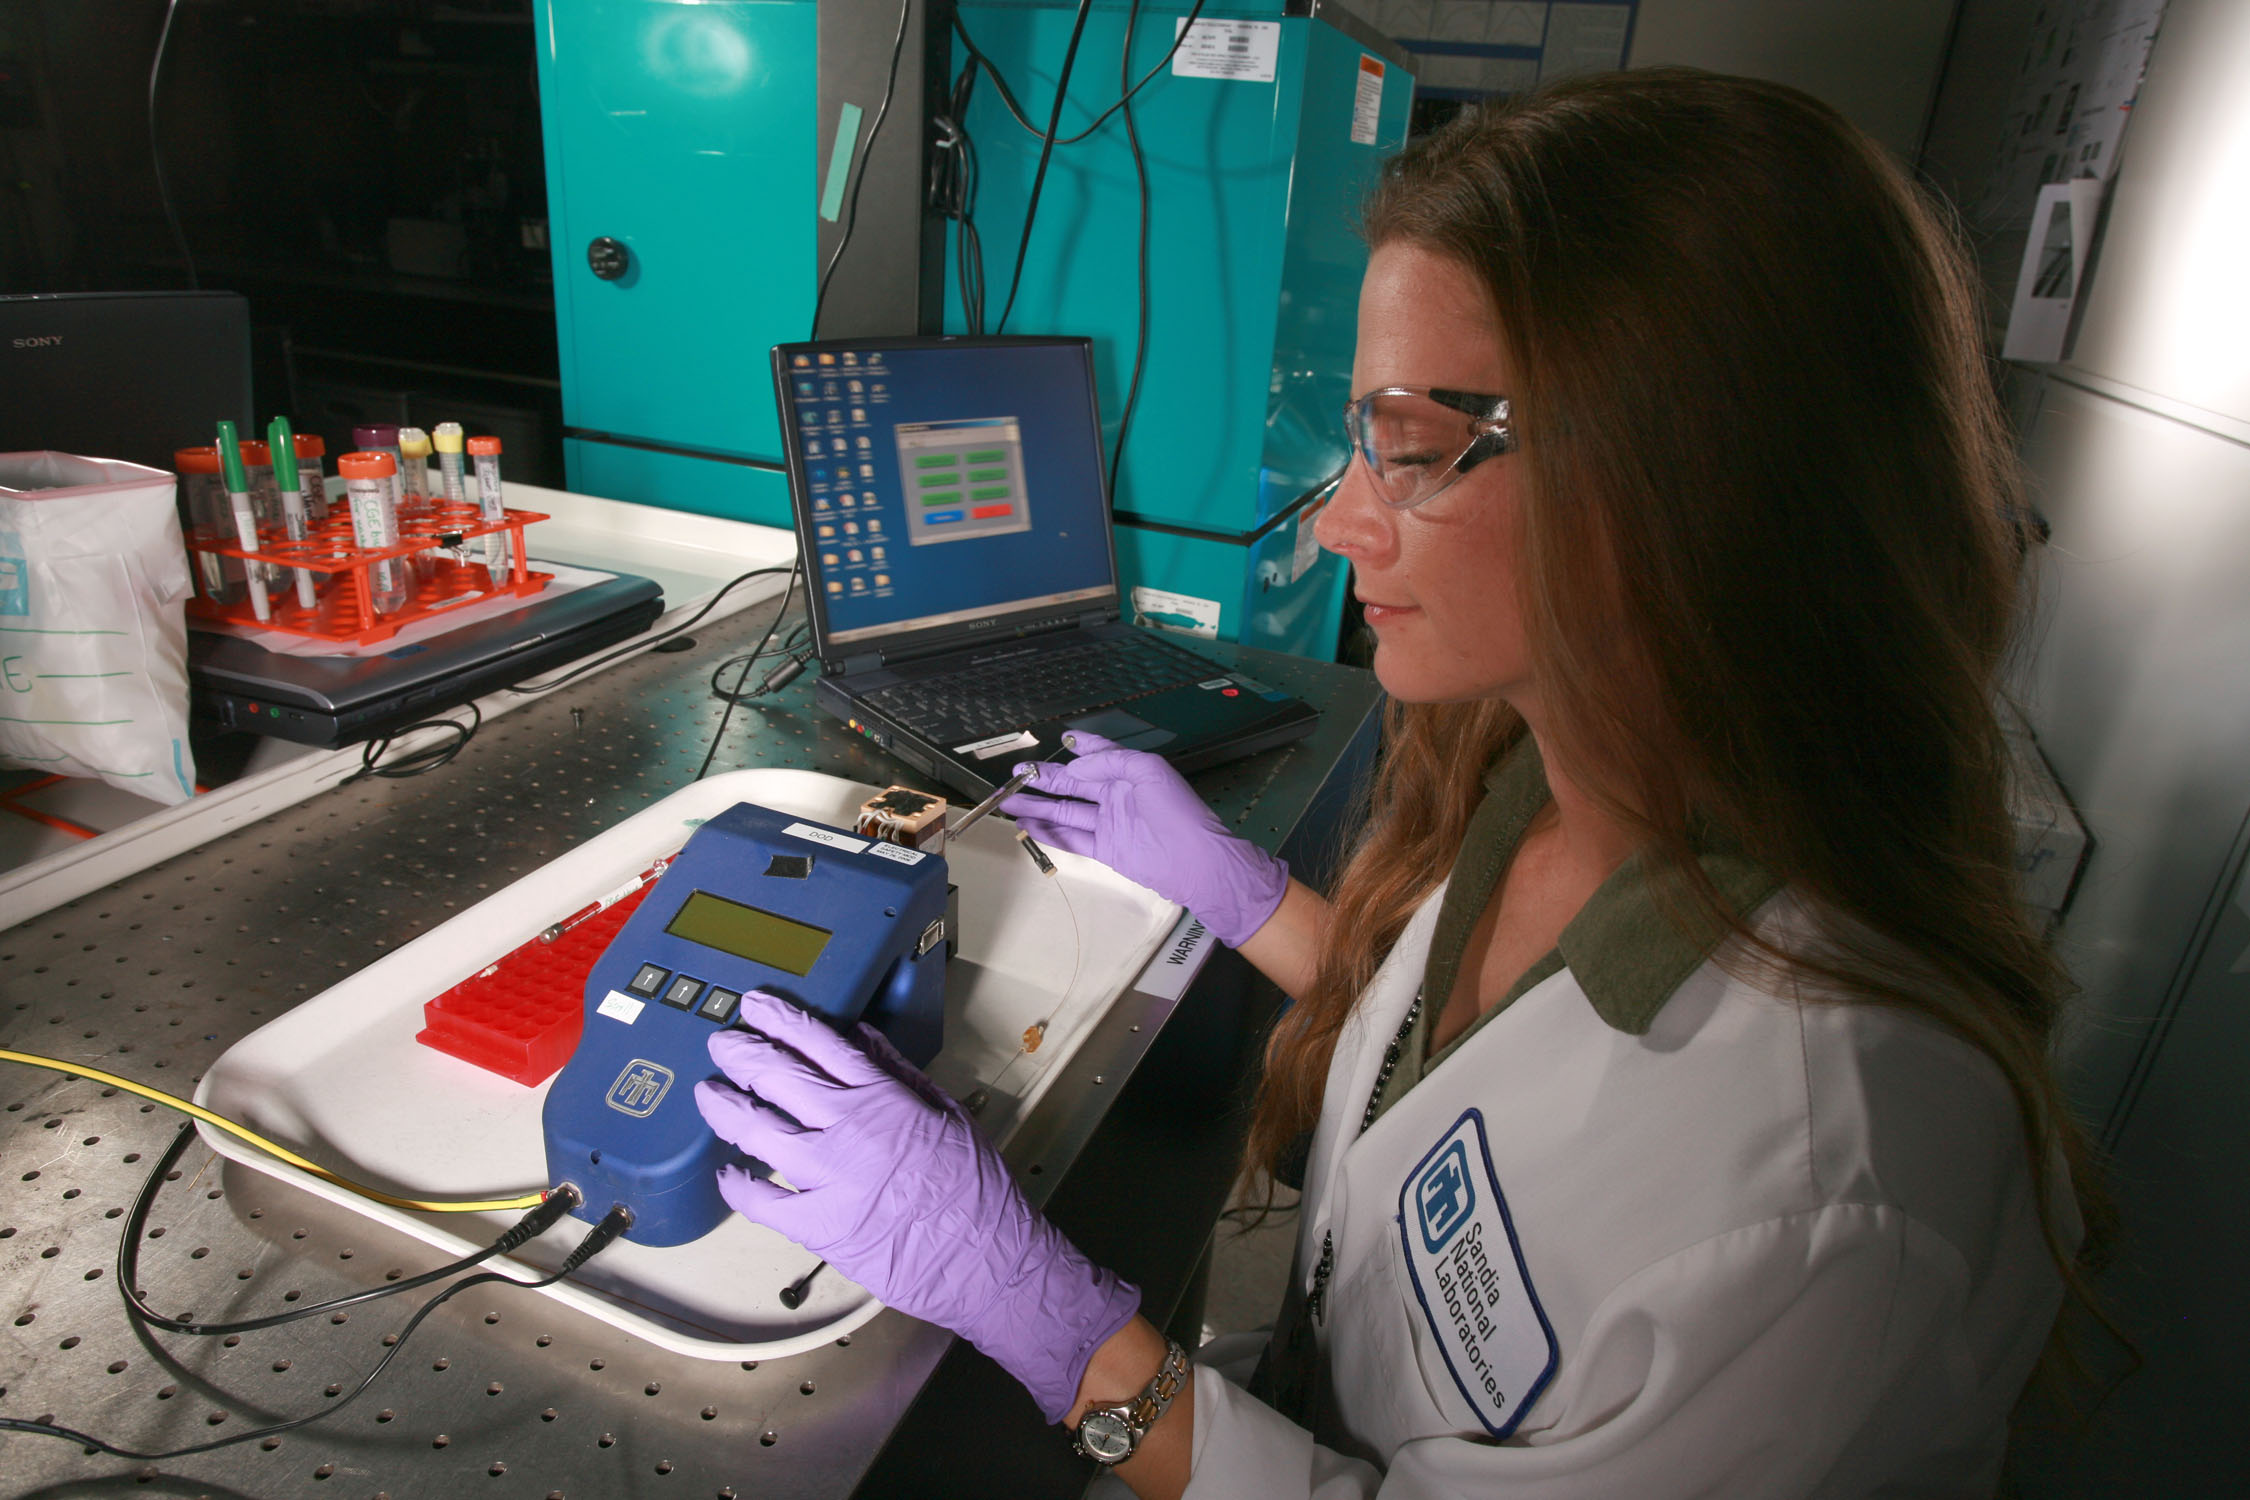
{"x":941,"y":483}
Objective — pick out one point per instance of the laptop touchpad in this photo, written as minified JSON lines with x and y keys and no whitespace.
{"x":1125,"y":729}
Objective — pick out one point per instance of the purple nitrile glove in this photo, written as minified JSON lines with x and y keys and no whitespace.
{"x":897,"y":1190}
{"x":1140,"y":817}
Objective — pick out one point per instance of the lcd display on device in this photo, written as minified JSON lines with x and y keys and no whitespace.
{"x":747,"y":932}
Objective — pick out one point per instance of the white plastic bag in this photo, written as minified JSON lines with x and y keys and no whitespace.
{"x":93,"y":639}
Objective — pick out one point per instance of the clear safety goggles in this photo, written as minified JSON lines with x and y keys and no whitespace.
{"x":1417,"y":440}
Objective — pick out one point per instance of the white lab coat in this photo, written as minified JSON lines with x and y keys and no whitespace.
{"x":1785,"y":1249}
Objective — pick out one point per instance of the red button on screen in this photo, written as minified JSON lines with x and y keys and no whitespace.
{"x":987,"y":512}
{"x":1230,"y":692}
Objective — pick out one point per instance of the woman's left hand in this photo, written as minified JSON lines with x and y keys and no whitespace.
{"x":896,"y":1189}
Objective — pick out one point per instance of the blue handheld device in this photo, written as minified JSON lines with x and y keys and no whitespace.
{"x":847,"y":927}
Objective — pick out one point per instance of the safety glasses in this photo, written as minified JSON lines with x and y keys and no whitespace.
{"x":1417,"y":440}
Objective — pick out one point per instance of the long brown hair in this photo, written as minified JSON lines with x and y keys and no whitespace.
{"x":1771,"y":557}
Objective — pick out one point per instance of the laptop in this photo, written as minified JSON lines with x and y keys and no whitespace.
{"x":954,"y":520}
{"x":340,"y":700}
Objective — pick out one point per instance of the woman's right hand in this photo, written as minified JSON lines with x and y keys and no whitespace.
{"x":1137,"y":815}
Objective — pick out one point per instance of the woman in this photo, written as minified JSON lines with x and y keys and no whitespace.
{"x":1693,"y":1135}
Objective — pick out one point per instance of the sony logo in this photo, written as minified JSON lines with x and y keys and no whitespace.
{"x":39,"y":341}
{"x":981,"y":624}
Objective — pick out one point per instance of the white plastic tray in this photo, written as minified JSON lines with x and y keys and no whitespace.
{"x":342,"y":1080}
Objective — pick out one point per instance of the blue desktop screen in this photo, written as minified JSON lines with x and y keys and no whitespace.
{"x":946,"y":484}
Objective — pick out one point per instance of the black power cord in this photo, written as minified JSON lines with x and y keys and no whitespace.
{"x":1140,"y":173}
{"x":859,"y":179}
{"x":537,"y":1222}
{"x":774,"y":680}
{"x":1046,"y":151}
{"x":415,"y":762}
{"x":156,"y":148}
{"x":652,"y":641}
{"x":613,"y":1224}
{"x":1015,"y":109}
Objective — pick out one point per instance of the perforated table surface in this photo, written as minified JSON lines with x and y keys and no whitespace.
{"x":500,"y":1392}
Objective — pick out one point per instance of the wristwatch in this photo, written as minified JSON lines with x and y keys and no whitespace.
{"x":1109,"y":1434}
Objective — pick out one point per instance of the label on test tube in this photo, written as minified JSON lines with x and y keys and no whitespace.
{"x":367,"y":488}
{"x":491,"y":509}
{"x":281,"y":443}
{"x":245,"y":521}
{"x":311,"y":474}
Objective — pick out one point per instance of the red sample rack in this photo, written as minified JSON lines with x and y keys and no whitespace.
{"x":345,"y":609}
{"x":521,"y":1017}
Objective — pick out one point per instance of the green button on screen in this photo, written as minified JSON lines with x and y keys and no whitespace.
{"x":987,"y":476}
{"x":998,"y":492}
{"x":989,"y":456}
{"x":942,"y":460}
{"x":950,"y":497}
{"x":926,"y":480}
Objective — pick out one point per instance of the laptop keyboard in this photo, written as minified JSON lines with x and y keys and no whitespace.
{"x":993,"y":698}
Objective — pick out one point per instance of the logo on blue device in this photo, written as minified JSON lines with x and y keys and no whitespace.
{"x":640,"y":1088}
{"x":1445,"y":1196}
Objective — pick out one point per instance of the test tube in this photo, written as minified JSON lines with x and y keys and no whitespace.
{"x":382,"y":437}
{"x":499,"y":556}
{"x":203,"y":497}
{"x":414,"y":452}
{"x":245,"y":519}
{"x":265,"y":499}
{"x":447,"y":438}
{"x":368,"y":478}
{"x":284,"y":449}
{"x":312,"y":475}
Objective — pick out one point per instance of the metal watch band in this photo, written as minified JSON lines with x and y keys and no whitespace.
{"x":1111,"y":1434}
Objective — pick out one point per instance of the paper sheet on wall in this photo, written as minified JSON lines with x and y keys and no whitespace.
{"x":2054,"y":264}
{"x":2076,"y":83}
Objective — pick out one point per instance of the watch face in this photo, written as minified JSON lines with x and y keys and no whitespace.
{"x":1104,"y":1437}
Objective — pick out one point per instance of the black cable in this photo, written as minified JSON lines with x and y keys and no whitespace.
{"x":156,"y":150}
{"x":788,"y":647}
{"x":638,"y":644}
{"x":787,"y":594}
{"x":533,"y":1224}
{"x":866,"y":153}
{"x":1008,"y":98}
{"x":416,"y":762}
{"x":613,"y":1224}
{"x":1140,"y":171}
{"x":1046,"y":151}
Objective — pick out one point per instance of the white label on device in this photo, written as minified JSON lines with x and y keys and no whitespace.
{"x":1367,"y":109}
{"x":1244,"y":51}
{"x":899,"y":852}
{"x":824,"y":836}
{"x":1178,"y":961}
{"x":620,"y":1007}
{"x":999,"y":744}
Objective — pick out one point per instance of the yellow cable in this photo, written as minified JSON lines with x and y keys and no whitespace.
{"x":244,"y":1132}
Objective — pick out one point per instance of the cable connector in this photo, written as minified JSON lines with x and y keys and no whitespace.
{"x":607,"y":1232}
{"x":786,"y":673}
{"x":559,"y":1202}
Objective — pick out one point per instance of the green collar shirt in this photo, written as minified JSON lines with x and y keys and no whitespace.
{"x":1625,"y":951}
